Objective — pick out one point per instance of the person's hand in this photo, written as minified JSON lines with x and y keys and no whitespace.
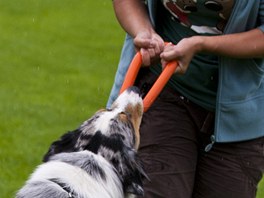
{"x":150,"y":46}
{"x":183,"y":53}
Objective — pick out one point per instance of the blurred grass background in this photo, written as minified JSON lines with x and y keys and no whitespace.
{"x":57,"y":64}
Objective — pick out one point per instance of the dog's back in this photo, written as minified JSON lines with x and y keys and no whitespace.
{"x":80,"y":174}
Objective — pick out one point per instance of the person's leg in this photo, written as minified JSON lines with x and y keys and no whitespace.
{"x":230,"y":170}
{"x":168,"y":146}
{"x":168,"y":149}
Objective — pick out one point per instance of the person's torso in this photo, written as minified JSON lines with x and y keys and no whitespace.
{"x":180,"y":19}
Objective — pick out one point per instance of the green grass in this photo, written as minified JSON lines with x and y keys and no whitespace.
{"x":261,"y":189}
{"x":57,"y":63}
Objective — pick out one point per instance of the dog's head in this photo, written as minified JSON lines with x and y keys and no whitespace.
{"x":114,"y":134}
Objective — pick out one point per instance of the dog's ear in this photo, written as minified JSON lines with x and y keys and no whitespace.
{"x":135,"y":189}
{"x":133,"y":184}
{"x":66,"y":143}
{"x":133,"y":180}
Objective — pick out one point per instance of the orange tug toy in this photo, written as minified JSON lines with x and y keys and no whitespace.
{"x":158,"y":85}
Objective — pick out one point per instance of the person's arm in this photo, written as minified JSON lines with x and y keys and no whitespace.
{"x":241,"y":45}
{"x":134,"y":19}
{"x":248,"y":44}
{"x":132,"y":16}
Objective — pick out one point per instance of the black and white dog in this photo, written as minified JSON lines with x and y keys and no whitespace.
{"x":97,"y":160}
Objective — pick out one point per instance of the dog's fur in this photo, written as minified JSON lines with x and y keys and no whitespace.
{"x":97,"y":160}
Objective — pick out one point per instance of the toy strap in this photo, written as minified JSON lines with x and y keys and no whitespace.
{"x":158,"y":85}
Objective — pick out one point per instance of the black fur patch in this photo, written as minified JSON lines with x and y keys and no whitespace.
{"x":66,"y":143}
{"x":114,"y":142}
{"x":127,"y":164}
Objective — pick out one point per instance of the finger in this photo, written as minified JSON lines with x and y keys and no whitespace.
{"x":142,"y":42}
{"x":161,"y":45}
{"x":152,"y":53}
{"x":163,"y":63}
{"x":156,"y":49}
{"x":145,"y":57}
{"x":180,"y":69}
{"x":157,"y":46}
{"x":168,"y":47}
{"x":169,"y":54}
{"x":168,"y":44}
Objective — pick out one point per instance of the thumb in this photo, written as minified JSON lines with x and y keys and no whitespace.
{"x":180,"y":69}
{"x":163,"y":63}
{"x":143,"y":43}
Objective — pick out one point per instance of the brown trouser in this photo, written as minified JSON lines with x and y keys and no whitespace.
{"x":174,"y":134}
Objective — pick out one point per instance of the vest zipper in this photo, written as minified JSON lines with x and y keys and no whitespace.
{"x":210,"y":145}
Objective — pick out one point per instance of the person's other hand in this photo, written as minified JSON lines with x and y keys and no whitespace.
{"x":183,"y":53}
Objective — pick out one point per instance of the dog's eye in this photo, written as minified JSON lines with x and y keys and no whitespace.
{"x":123,"y":116}
{"x":125,"y":113}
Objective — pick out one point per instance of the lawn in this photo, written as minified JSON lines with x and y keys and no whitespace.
{"x":57,"y":61}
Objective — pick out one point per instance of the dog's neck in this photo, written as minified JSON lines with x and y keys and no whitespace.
{"x":98,"y":141}
{"x":113,"y":149}
{"x":122,"y":157}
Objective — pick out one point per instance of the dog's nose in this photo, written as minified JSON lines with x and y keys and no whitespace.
{"x":133,"y":89}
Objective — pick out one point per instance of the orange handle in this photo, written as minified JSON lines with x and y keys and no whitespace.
{"x":158,"y":85}
{"x":132,"y":72}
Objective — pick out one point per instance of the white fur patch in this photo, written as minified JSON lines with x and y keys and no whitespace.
{"x":80,"y":181}
{"x":125,"y":99}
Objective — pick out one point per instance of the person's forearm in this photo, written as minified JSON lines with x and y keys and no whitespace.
{"x":132,"y":15}
{"x":240,"y":45}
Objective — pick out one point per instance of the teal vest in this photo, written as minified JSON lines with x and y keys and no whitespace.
{"x":240,"y":96}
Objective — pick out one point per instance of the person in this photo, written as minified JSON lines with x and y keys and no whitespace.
{"x":203,"y":137}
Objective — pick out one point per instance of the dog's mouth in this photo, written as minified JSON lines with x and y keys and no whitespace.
{"x":130,"y":97}
{"x":129,"y":102}
{"x":130,"y":106}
